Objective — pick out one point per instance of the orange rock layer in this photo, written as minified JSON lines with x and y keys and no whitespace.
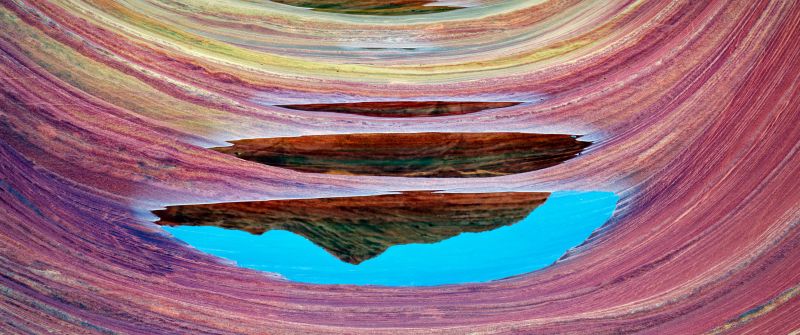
{"x":412,"y":154}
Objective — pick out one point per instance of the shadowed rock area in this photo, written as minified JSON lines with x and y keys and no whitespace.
{"x":355,"y":229}
{"x":370,"y":7}
{"x":448,"y":155}
{"x":404,"y":108}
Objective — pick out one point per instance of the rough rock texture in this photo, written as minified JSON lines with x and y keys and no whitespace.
{"x":404,"y":108}
{"x":108,"y":108}
{"x":371,"y":7}
{"x":413,"y":154}
{"x":355,"y":229}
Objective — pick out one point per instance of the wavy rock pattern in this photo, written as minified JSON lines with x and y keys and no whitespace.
{"x":108,"y":110}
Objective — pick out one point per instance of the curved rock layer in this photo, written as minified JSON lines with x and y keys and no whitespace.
{"x":107,"y":111}
{"x":355,"y":229}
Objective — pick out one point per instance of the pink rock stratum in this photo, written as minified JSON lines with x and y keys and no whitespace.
{"x":108,"y":110}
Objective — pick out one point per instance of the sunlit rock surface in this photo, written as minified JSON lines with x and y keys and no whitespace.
{"x":412,"y":155}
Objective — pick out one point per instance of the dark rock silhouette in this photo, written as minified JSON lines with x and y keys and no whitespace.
{"x":355,"y":229}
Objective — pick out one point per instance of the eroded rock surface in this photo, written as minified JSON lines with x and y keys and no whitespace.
{"x":449,"y":155}
{"x":355,"y":229}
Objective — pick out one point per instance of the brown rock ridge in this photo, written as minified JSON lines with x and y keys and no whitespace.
{"x":404,"y":108}
{"x":449,"y":155}
{"x":355,"y":229}
{"x":370,"y":7}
